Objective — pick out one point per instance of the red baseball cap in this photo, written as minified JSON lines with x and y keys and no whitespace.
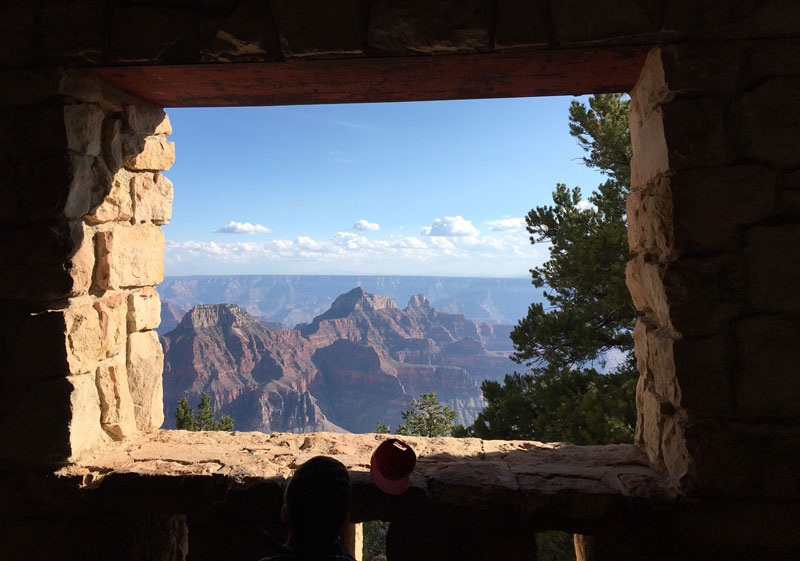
{"x":392,"y":462}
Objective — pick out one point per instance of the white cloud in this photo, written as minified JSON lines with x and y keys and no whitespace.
{"x":234,"y":227}
{"x":366,"y":225}
{"x":350,"y":240}
{"x":506,"y":224}
{"x":305,"y":242}
{"x":507,"y":253}
{"x":450,"y":226}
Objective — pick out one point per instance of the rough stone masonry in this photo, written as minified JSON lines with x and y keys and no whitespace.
{"x":83,"y":265}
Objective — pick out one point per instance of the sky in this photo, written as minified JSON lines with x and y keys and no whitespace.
{"x":419,"y":188}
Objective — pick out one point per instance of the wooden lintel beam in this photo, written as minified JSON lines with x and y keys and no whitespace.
{"x":300,"y":82}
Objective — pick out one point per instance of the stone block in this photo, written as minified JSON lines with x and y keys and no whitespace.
{"x":129,"y":256}
{"x":152,"y":198}
{"x":84,"y":337}
{"x":116,"y":404}
{"x":144,"y":309}
{"x":150,"y":153}
{"x":80,"y":86}
{"x":650,"y":155}
{"x":678,"y":462}
{"x":247,"y":33}
{"x":34,"y":260}
{"x":768,"y":384}
{"x":415,"y":27}
{"x":677,"y":134}
{"x":704,"y":293}
{"x":769,"y":59}
{"x":112,"y":143}
{"x":84,"y":124}
{"x":695,"y":132}
{"x":113,"y":312}
{"x":703,"y":68}
{"x":80,"y":267}
{"x":769,"y":126}
{"x":644,"y":278}
{"x":668,"y":217}
{"x":739,"y":195}
{"x":650,"y":90}
{"x":745,"y":460}
{"x":692,"y":297}
{"x":650,"y":219}
{"x":117,"y":206}
{"x":652,"y":411}
{"x":653,"y":347}
{"x":321,"y":28}
{"x":85,"y":432}
{"x":519,"y":24}
{"x":773,"y":255}
{"x":145,"y":120}
{"x":704,"y":375}
{"x":145,"y":367}
{"x":689,"y":373}
{"x":581,"y":23}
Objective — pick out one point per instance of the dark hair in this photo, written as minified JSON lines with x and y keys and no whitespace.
{"x":317,"y":500}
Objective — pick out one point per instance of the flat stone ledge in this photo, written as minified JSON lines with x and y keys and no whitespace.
{"x":533,"y":484}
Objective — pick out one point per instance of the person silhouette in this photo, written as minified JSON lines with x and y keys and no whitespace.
{"x":316,"y":506}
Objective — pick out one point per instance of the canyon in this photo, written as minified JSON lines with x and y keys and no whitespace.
{"x":287,"y":300}
{"x":359,"y":362}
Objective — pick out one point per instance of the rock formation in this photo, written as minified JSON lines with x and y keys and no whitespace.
{"x":293,"y":299}
{"x":361,"y":361}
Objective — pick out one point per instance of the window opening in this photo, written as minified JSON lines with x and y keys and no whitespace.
{"x":361,"y":268}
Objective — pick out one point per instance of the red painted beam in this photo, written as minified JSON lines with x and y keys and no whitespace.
{"x":299,"y":82}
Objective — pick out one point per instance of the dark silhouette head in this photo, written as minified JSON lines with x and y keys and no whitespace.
{"x":317,"y":504}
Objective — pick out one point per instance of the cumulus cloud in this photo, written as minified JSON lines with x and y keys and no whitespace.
{"x":234,"y":227}
{"x":507,"y":253}
{"x":506,"y":224}
{"x":366,"y":225}
{"x":450,"y":226}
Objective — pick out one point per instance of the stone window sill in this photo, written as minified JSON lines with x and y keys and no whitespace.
{"x":541,"y":486}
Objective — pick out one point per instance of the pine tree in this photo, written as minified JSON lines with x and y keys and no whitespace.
{"x":427,"y":417}
{"x":205,"y":416}
{"x":186,"y":419}
{"x":567,"y":396}
{"x":184,"y":416}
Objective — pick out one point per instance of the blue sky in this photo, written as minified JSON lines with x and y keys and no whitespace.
{"x":427,"y":188}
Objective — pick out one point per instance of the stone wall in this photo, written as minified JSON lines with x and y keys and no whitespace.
{"x":714,"y":216}
{"x":84,"y":199}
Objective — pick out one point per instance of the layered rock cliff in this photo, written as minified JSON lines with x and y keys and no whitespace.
{"x":361,"y":361}
{"x":258,"y":376}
